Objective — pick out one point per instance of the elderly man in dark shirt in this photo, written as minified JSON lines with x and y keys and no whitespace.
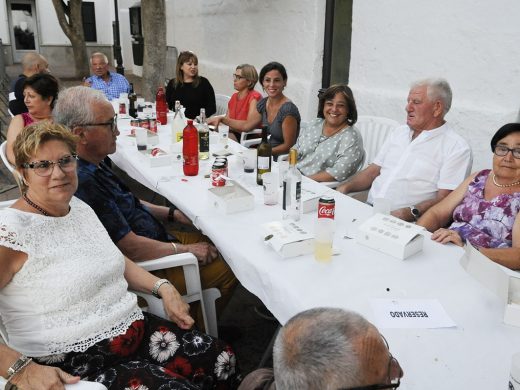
{"x":135,"y":226}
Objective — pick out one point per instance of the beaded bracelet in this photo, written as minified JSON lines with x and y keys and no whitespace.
{"x":157,"y":286}
{"x":18,"y":366}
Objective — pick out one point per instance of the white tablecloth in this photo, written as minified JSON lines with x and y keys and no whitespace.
{"x":474,"y":355}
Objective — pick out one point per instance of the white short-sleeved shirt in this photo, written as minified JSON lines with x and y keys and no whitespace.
{"x":412,"y":171}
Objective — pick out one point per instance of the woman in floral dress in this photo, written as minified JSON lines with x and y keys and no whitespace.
{"x":484,"y":208}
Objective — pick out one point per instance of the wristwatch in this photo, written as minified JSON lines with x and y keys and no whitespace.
{"x":415,"y":212}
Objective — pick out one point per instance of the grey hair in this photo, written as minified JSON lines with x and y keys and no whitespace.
{"x":98,"y":54}
{"x":437,"y":89}
{"x":74,"y":106}
{"x":315,"y":350}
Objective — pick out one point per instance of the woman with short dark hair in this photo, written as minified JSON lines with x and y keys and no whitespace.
{"x":330,"y":148}
{"x":484,"y":209}
{"x":40,"y":92}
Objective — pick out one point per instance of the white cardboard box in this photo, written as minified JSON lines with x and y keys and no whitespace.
{"x":157,"y":161}
{"x":390,"y":235}
{"x":288,"y":238}
{"x":505,"y":283}
{"x":309,"y":200}
{"x":231,"y":198}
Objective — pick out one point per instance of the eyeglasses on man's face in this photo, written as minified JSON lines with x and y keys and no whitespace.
{"x":237,"y":77}
{"x":392,"y":383}
{"x":44,"y":168}
{"x":112,"y":124}
{"x":502,"y":150}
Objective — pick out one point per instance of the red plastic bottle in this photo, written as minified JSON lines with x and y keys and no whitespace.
{"x":161,"y":107}
{"x":190,"y":149}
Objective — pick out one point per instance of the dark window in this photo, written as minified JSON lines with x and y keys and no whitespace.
{"x":88,"y":15}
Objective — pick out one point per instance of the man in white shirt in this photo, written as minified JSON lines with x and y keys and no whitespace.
{"x":421,"y":162}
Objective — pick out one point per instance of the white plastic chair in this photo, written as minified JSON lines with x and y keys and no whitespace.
{"x":250,"y":142}
{"x":374,"y":130}
{"x":222,"y":104}
{"x":4,"y":157}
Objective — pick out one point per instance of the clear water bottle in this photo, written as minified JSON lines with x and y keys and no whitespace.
{"x":203,"y":136}
{"x":292,"y":190}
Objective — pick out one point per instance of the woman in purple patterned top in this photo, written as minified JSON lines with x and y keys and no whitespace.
{"x":484,"y":208}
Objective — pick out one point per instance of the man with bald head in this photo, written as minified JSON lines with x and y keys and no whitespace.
{"x":328,"y":348}
{"x":32,"y":63}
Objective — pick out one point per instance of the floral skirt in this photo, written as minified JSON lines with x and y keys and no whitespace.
{"x":153,"y":354}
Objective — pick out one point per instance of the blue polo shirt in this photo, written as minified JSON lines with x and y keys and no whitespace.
{"x":116,"y":207}
{"x":112,"y":88}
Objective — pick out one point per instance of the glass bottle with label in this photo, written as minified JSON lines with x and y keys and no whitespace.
{"x":132,"y":100}
{"x":203,"y":136}
{"x":178,"y":123}
{"x":292,"y":190}
{"x":263,"y":160}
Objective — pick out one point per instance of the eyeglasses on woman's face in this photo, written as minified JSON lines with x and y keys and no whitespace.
{"x":238,"y":77}
{"x":502,"y":150}
{"x":44,"y":168}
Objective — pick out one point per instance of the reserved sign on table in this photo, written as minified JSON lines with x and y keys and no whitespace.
{"x":410,"y":313}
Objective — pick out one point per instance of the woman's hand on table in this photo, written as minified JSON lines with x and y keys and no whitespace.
{"x":203,"y":251}
{"x":177,"y":310}
{"x":446,"y":235}
{"x":215,"y":120}
{"x":39,"y":377}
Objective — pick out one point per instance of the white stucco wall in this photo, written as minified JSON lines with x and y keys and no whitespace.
{"x":49,"y":30}
{"x":4,"y":29}
{"x":471,"y":43}
{"x":224,"y":34}
{"x":52,"y":34}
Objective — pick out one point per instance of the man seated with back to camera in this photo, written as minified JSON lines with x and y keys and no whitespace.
{"x":32,"y":63}
{"x":421,"y":162}
{"x":328,"y":348}
{"x":134,"y":225}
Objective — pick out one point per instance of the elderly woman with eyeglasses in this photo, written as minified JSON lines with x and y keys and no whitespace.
{"x":192,"y":90}
{"x":242,"y":104}
{"x":64,"y":295}
{"x":484,"y":208}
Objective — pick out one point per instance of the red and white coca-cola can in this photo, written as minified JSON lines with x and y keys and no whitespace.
{"x":326,"y":207}
{"x":217,"y":170}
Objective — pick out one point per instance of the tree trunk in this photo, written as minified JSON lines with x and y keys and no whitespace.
{"x":154,"y":32}
{"x":69,"y":17}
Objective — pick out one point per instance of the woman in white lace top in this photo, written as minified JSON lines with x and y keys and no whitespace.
{"x":63,"y":291}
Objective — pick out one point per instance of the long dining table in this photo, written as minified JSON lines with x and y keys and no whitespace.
{"x":474,"y":354}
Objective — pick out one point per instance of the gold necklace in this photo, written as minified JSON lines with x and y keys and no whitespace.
{"x":504,"y":185}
